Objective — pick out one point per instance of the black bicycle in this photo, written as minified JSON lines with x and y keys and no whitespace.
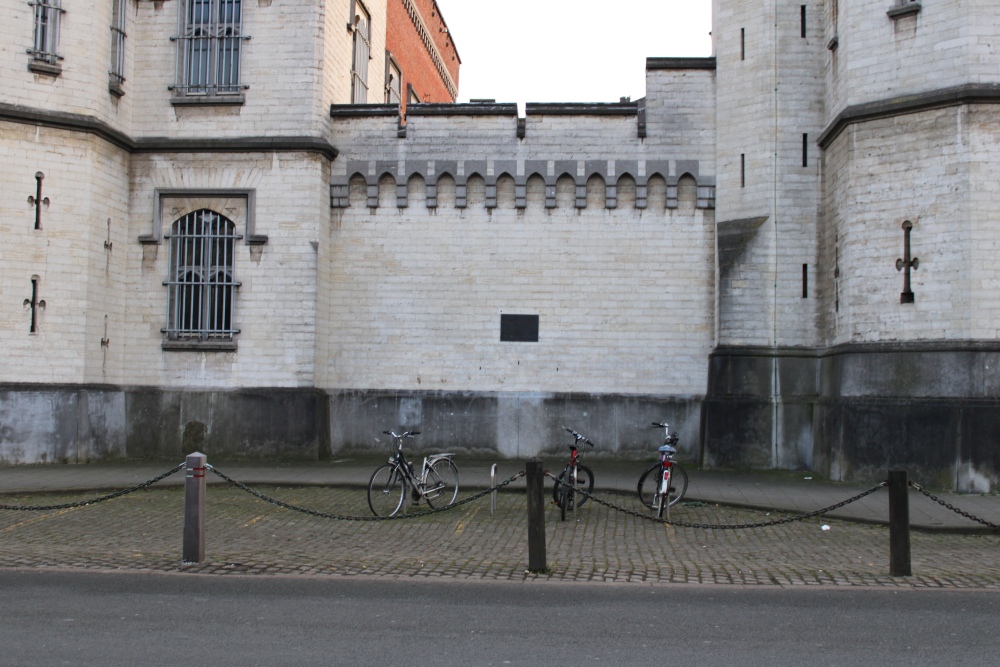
{"x":574,"y":476}
{"x":664,"y":483}
{"x":437,"y":483}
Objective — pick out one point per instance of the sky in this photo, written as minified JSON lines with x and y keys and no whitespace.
{"x":570,"y":50}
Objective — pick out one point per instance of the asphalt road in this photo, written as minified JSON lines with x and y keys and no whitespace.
{"x":130,"y":618}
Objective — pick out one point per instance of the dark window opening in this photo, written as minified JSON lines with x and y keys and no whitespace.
{"x":805,"y":149}
{"x":519,"y":328}
{"x":802,"y":20}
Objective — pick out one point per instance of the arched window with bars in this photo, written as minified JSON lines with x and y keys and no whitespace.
{"x":201,"y":288}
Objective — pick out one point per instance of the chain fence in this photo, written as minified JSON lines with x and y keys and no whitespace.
{"x":342,"y":517}
{"x":954,"y":509}
{"x":727,"y":526}
{"x":492,"y":489}
{"x":91,"y":501}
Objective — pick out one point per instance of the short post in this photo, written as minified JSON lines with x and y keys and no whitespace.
{"x":535,"y":478}
{"x":194,"y":508}
{"x":899,"y":524}
{"x":493,"y":494}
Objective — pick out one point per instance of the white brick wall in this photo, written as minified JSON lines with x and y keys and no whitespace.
{"x":912,"y":168}
{"x":945,"y":44}
{"x":769,"y":95}
{"x":79,"y":280}
{"x":276,"y":302}
{"x":624,"y":296}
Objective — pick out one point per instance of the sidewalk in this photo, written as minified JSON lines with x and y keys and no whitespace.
{"x":794,"y":492}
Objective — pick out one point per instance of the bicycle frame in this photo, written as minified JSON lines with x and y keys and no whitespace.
{"x":662,"y":500}
{"x":417,"y":485}
{"x":565,"y":493}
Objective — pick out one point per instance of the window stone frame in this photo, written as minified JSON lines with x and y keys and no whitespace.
{"x":180,"y":93}
{"x":46,"y":60}
{"x":250,"y":238}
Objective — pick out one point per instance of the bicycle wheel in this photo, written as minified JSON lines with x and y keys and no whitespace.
{"x":441,"y":485}
{"x":584,"y":482}
{"x":678,"y":483}
{"x":566,"y":496}
{"x":385,"y":490}
{"x":557,"y":490}
{"x":661,"y":506}
{"x":648,"y":483}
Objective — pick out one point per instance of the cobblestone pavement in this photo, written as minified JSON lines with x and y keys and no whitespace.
{"x":244,"y":534}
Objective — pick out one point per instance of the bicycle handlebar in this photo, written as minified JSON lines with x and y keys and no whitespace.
{"x":579,"y":438}
{"x":405,"y":434}
{"x":668,"y":437}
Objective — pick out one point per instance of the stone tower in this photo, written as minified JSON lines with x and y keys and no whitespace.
{"x":857,"y":321}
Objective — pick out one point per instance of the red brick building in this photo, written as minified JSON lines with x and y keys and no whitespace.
{"x":421,"y":59}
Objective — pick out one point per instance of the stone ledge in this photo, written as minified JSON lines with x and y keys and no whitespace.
{"x":680,"y":63}
{"x":208,"y":100}
{"x":199,"y":346}
{"x":81,"y":123}
{"x":971,"y":93}
{"x":903,"y":10}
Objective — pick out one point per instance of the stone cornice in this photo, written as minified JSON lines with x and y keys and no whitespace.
{"x":581,"y":109}
{"x":363,"y":110}
{"x":475,"y":109}
{"x":971,"y":93}
{"x":81,"y":123}
{"x":887,"y":347}
{"x":680,"y":63}
{"x":236,"y":145}
{"x":65,"y":121}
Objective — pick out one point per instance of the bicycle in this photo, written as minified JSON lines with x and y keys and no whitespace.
{"x":665,"y":483}
{"x":389,"y":484}
{"x":574,"y":476}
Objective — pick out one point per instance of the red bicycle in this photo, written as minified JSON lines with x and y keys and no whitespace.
{"x":574,"y":476}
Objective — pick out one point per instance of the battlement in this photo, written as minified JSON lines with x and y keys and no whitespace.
{"x":610,"y":173}
{"x":581,"y":145}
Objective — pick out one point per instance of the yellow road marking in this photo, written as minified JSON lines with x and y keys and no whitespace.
{"x":465,"y":519}
{"x":37,"y":519}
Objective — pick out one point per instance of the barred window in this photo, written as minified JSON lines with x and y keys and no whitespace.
{"x":201,"y":289}
{"x":116,"y":75}
{"x":362,"y":54}
{"x":47,"y":16}
{"x":209,"y":48}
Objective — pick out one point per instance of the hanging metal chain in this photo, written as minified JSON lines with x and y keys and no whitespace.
{"x":952,"y":507}
{"x":84,"y":503}
{"x":343,"y":517}
{"x":728,"y":526}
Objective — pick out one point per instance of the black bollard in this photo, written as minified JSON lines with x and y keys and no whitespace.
{"x":535,"y":478}
{"x":899,"y":524}
{"x":194,"y":508}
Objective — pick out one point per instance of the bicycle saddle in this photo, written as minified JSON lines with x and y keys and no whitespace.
{"x":667,"y":449}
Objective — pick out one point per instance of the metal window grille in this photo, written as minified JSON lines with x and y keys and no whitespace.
{"x":362,"y":53}
{"x":117,"y":72}
{"x":201,"y":288}
{"x":209,"y":47}
{"x":47,"y":15}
